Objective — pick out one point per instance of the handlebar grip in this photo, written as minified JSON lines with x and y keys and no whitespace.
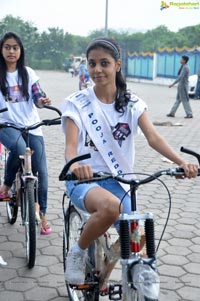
{"x":190,"y":152}
{"x":73,"y":177}
{"x":52,"y":121}
{"x":56,"y":122}
{"x":53,"y":109}
{"x":3,"y":110}
{"x":70,"y":177}
{"x":67,"y":166}
{"x":181,"y":170}
{"x":186,"y":150}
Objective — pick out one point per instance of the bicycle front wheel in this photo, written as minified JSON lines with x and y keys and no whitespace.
{"x":74,"y":223}
{"x":146,"y":281}
{"x":29,"y":221}
{"x":128,"y":292}
{"x":12,"y":206}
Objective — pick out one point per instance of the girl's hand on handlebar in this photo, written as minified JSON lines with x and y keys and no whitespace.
{"x":191,"y":170}
{"x":44,"y":101}
{"x":83,"y":172}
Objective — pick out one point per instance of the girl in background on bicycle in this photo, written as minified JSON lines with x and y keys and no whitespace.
{"x":21,"y":93}
{"x":104,"y":120}
{"x":83,"y":74}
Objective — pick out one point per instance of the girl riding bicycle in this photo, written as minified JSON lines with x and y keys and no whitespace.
{"x":104,"y":120}
{"x":20,"y":92}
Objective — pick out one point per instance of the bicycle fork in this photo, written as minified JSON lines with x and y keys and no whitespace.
{"x":140,"y":281}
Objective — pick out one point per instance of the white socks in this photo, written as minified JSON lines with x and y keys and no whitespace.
{"x":77,"y":249}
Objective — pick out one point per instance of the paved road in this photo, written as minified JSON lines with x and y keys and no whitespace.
{"x":179,"y":253}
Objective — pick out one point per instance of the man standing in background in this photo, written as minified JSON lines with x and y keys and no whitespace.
{"x":182,"y":89}
{"x":197,"y":91}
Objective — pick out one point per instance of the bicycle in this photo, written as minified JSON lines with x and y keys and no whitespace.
{"x":85,"y":84}
{"x":24,"y":190}
{"x":140,"y":280}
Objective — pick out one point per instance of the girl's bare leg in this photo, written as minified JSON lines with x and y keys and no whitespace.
{"x":104,"y":209}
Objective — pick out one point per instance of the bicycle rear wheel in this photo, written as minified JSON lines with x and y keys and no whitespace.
{"x":29,"y":221}
{"x":74,"y":223}
{"x":12,"y":206}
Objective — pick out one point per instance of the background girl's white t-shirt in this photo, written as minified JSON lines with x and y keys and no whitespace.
{"x":21,"y":112}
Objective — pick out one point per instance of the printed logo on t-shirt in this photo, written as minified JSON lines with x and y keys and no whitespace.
{"x":89,"y":143}
{"x":15,"y":94}
{"x":120,"y":132}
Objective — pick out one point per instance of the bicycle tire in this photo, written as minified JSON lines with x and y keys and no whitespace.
{"x":29,"y":220}
{"x":134,"y":296}
{"x":144,"y":282}
{"x":74,"y":223}
{"x":12,"y":206}
{"x":128,"y":292}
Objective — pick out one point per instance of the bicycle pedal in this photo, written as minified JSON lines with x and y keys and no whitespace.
{"x":5,"y":199}
{"x":81,"y":286}
{"x":104,"y":292}
{"x":114,"y":291}
{"x":85,"y":286}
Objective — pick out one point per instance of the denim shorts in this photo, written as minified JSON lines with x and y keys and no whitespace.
{"x":77,"y":193}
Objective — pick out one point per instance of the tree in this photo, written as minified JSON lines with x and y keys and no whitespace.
{"x":27,"y":32}
{"x":47,"y":50}
{"x":51,"y":47}
{"x":190,"y":35}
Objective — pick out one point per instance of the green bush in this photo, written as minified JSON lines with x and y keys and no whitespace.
{"x":44,"y":64}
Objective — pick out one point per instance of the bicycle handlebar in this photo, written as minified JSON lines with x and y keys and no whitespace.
{"x":46,"y":122}
{"x":99,"y":176}
{"x":190,"y":152}
{"x":49,"y":107}
{"x":63,"y":174}
{"x":176,"y":172}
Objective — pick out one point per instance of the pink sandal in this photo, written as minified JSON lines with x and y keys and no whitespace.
{"x":4,"y":195}
{"x":4,"y":191}
{"x":45,"y":227}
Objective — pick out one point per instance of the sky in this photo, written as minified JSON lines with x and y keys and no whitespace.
{"x":81,"y":17}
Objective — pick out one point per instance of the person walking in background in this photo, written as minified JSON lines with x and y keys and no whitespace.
{"x":21,"y":93}
{"x":182,"y":89}
{"x":83,"y":74}
{"x":197,"y":91}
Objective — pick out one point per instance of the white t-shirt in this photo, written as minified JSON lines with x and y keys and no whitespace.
{"x":124,"y":128}
{"x":20,"y":111}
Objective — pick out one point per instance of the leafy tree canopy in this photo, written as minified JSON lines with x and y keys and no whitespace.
{"x":47,"y":50}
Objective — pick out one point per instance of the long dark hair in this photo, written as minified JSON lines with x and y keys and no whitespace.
{"x":112,"y":47}
{"x":22,"y":72}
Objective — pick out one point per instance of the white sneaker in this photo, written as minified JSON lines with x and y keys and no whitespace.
{"x":75,"y":268}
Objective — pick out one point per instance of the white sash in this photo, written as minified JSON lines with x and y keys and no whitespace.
{"x":100,"y":132}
